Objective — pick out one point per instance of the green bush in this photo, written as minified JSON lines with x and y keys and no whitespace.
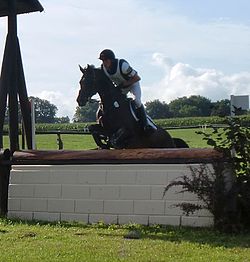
{"x":229,"y":205}
{"x":199,"y":121}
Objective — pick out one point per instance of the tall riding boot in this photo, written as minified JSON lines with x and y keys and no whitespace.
{"x":143,"y":119}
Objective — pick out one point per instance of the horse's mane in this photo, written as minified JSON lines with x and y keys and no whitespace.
{"x":109,"y":84}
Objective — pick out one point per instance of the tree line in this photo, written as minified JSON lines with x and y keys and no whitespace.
{"x":193,"y":106}
{"x":45,"y":112}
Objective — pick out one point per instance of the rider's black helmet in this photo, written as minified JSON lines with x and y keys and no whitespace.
{"x":107,"y":54}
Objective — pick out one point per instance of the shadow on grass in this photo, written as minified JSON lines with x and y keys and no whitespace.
{"x":202,"y":236}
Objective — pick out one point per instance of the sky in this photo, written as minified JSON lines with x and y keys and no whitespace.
{"x":178,"y":47}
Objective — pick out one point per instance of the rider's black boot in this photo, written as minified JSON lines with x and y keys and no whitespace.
{"x":143,"y":119}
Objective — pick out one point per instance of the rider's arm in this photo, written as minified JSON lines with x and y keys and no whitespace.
{"x":130,"y":74}
{"x":131,"y":81}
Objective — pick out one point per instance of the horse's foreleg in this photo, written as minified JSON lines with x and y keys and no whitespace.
{"x":98,"y":136}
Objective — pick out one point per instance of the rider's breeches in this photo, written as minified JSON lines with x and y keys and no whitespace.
{"x":135,"y":90}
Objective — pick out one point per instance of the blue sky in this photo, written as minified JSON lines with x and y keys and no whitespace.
{"x":179,"y":47}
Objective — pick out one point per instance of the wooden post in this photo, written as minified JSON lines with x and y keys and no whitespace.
{"x":12,"y":87}
{"x":12,"y":83}
{"x":24,"y":100}
{"x":3,"y":87}
{"x":5,"y":168}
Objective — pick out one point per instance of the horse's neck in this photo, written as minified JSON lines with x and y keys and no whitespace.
{"x":106,"y":89}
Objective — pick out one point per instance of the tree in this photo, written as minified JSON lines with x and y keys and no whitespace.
{"x":62,"y":120}
{"x":221,"y":108}
{"x":192,"y":106}
{"x":157,"y":109}
{"x":45,"y":112}
{"x":86,"y":113}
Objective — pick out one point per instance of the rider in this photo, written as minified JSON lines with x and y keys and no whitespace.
{"x":126,"y":78}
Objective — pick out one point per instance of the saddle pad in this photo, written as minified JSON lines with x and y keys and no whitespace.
{"x":134,"y":114}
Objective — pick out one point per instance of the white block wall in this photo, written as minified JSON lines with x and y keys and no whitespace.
{"x":110,"y":193}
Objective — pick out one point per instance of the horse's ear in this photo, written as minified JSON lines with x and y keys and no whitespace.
{"x":81,"y":69}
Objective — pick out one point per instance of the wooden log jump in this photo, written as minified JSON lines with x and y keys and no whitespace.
{"x":123,"y":156}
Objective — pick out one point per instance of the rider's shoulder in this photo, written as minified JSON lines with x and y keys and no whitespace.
{"x":125,"y":66}
{"x":123,"y":63}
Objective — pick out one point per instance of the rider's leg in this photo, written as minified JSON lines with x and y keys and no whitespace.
{"x":136,"y":91}
{"x":143,"y":118}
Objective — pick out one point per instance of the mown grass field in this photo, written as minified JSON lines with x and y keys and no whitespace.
{"x":83,"y":142}
{"x":29,"y":242}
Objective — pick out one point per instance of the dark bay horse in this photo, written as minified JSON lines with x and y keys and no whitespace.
{"x":117,"y":126}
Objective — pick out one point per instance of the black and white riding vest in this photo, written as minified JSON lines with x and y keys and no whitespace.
{"x":123,"y":72}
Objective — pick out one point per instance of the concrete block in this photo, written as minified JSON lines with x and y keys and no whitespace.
{"x":171,"y":209}
{"x":20,"y":215}
{"x":118,"y":206}
{"x":151,"y":177}
{"x":61,"y":205}
{"x":173,"y":193}
{"x":174,"y":175}
{"x":107,"y":219}
{"x":204,"y":213}
{"x":164,"y":220}
{"x":64,"y":177}
{"x":133,"y":219}
{"x":33,"y":174}
{"x":89,"y":206}
{"x":16,"y":176}
{"x":157,"y":192}
{"x":188,"y":196}
{"x":14,"y":204}
{"x":21,"y":191}
{"x":104,"y":192}
{"x":70,"y":169}
{"x":34,"y":204}
{"x":197,"y":221}
{"x":182,"y":168}
{"x":149,"y":207}
{"x":47,"y":191}
{"x":46,"y":216}
{"x":92,"y":176}
{"x":121,"y":177}
{"x":75,"y":192}
{"x":72,"y":217}
{"x":135,"y":192}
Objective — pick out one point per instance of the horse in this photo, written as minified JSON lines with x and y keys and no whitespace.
{"x":117,"y":125}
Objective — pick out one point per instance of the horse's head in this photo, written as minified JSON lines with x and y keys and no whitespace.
{"x":87,"y":85}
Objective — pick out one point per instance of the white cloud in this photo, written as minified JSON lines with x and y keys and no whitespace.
{"x":69,"y":33}
{"x":184,"y":80}
{"x":63,"y":102}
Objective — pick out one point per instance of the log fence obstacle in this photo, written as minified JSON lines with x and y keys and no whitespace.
{"x":114,"y":186}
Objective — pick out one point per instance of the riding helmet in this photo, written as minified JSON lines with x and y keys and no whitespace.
{"x":107,"y":54}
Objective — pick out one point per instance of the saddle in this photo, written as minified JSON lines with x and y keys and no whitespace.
{"x":133,"y":110}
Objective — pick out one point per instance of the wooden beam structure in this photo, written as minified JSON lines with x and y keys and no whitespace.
{"x":12,"y":80}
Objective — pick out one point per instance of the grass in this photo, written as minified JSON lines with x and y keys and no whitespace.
{"x":33,"y":241}
{"x":189,"y":135}
{"x":83,"y":142}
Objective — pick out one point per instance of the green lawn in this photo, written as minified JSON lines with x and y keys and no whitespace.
{"x":81,"y":142}
{"x":75,"y":242}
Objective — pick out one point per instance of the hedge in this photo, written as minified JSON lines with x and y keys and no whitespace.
{"x":164,"y":123}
